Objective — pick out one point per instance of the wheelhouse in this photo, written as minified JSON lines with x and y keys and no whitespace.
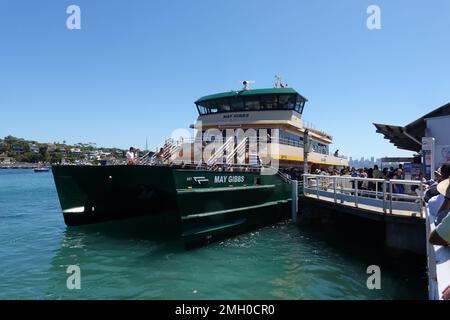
{"x":252,"y":100}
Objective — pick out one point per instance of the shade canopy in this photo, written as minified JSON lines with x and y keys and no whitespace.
{"x":410,"y":136}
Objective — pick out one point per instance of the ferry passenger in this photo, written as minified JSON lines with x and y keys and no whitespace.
{"x":424,"y":184}
{"x":443,"y":211}
{"x":385,"y":174}
{"x":371,"y":185}
{"x":376,"y":172}
{"x":434,"y":204}
{"x":441,"y":235}
{"x":441,"y":174}
{"x":398,"y":188}
{"x":391,"y":173}
{"x":362,"y":185}
{"x":159,"y":156}
{"x":131,"y":157}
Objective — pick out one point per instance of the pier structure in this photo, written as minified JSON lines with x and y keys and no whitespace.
{"x":403,"y":215}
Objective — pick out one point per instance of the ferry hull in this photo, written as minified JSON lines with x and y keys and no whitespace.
{"x":202,"y":206}
{"x":93,"y":194}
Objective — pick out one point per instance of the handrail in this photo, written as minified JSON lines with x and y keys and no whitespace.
{"x":178,"y":143}
{"x":325,"y":182}
{"x":219,"y":152}
{"x":238,"y":148}
{"x":284,"y":177}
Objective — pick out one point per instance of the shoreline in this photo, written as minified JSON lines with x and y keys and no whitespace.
{"x":22,"y":166}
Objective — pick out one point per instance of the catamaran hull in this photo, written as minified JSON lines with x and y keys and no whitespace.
{"x":201,"y":206}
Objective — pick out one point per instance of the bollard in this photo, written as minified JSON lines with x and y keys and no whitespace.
{"x":294,"y":196}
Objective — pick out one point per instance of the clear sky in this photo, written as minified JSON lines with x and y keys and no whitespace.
{"x":134,"y":69}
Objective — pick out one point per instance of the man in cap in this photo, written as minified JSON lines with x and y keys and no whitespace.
{"x":441,"y":174}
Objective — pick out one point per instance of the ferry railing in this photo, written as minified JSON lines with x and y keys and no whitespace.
{"x":219,"y":153}
{"x":169,"y":152}
{"x":356,"y":190}
{"x":284,"y":177}
{"x":240,"y":148}
{"x":171,"y":147}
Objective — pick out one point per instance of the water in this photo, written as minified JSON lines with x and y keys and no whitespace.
{"x":119,"y":262}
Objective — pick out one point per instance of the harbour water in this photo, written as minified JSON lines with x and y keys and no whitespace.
{"x":126,"y":260}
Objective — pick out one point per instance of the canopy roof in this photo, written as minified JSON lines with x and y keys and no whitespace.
{"x":410,"y":136}
{"x":249,"y":93}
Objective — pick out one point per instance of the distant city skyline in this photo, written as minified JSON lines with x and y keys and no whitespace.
{"x":132,"y":73}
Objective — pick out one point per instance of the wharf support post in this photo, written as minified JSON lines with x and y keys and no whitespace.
{"x":294,"y":203}
{"x":406,"y":235}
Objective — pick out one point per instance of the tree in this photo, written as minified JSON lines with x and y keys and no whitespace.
{"x":56,"y":157}
{"x":44,"y":156}
{"x":11,"y":139}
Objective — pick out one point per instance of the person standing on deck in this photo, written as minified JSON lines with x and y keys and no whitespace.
{"x":131,"y":157}
{"x":385,"y":174}
{"x":441,"y":235}
{"x":398,"y":188}
{"x":441,"y":174}
{"x":377,"y":174}
{"x":362,"y":185}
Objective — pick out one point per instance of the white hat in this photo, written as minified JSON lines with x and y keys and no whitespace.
{"x":444,"y":188}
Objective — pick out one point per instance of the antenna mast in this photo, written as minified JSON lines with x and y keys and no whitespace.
{"x":279,"y":82}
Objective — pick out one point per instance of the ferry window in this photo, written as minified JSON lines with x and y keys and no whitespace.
{"x":211,"y":107}
{"x":215,"y":106}
{"x":299,"y":105}
{"x":286,"y":101}
{"x":201,"y":109}
{"x":237,"y":104}
{"x":320,"y":147}
{"x":290,"y":139}
{"x":252,"y":104}
{"x":269,"y":102}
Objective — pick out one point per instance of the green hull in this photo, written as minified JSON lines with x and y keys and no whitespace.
{"x":202,"y":206}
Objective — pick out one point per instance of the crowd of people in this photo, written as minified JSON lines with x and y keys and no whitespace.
{"x":386,"y":174}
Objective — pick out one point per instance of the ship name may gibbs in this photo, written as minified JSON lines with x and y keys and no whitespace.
{"x":229,"y":179}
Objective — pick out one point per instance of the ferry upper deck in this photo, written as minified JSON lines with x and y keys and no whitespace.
{"x":277,"y":109}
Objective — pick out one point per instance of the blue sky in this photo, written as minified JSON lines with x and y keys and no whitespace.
{"x":134,"y":69}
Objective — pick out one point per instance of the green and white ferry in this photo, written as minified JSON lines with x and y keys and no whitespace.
{"x":229,"y":179}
